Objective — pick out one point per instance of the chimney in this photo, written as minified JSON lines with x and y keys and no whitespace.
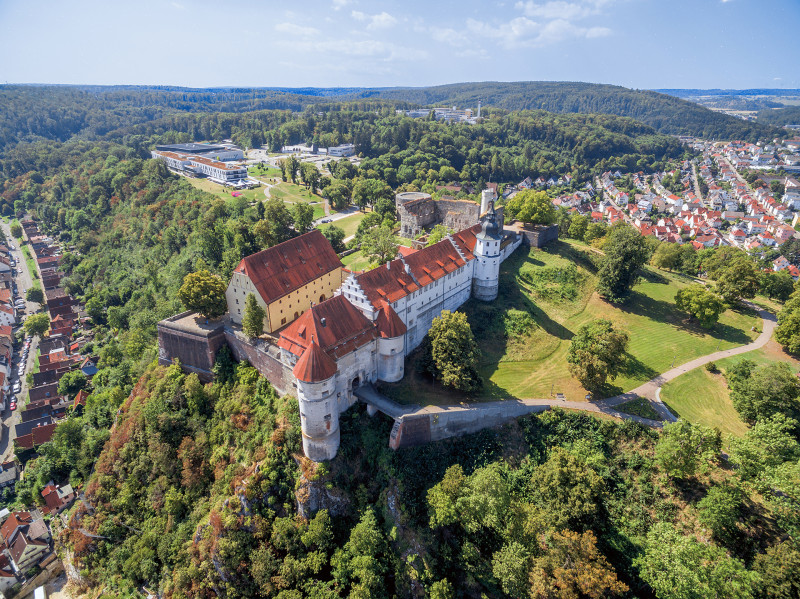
{"x":323,"y":322}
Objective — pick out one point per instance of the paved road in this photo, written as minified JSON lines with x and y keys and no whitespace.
{"x":24,"y":282}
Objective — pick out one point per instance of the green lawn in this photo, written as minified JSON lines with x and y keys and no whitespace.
{"x":292,"y":193}
{"x":251,"y":195}
{"x":356,"y":261}
{"x":348,"y":224}
{"x":263,"y":171}
{"x":639,"y":407}
{"x":703,"y":398}
{"x":534,"y":364}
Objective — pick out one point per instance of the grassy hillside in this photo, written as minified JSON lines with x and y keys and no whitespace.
{"x":703,"y":397}
{"x":556,"y":287}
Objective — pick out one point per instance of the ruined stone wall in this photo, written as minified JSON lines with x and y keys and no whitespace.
{"x":416,"y":215}
{"x":457,"y":215}
{"x":264,"y":357}
{"x":537,"y":235}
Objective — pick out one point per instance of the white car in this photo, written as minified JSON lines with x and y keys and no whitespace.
{"x":17,"y":387}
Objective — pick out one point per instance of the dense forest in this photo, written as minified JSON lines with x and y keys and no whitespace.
{"x":506,"y":147}
{"x":780,"y":116}
{"x":203,"y":491}
{"x":63,"y":112}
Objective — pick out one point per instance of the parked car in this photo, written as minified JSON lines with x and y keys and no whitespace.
{"x":13,"y":405}
{"x":17,"y":387}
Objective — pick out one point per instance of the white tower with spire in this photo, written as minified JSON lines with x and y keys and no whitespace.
{"x":485,"y":278}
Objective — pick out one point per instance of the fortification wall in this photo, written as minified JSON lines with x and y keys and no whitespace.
{"x":537,"y":236}
{"x":416,"y":215}
{"x":417,"y":429}
{"x":194,"y":343}
{"x":264,"y":357}
{"x":457,"y":214}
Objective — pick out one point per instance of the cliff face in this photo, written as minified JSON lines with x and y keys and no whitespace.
{"x":313,"y":496}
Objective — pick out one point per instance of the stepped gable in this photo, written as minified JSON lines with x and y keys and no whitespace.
{"x":335,"y":324}
{"x":389,"y":323}
{"x":434,"y":262}
{"x":466,"y":239}
{"x":290,"y":265}
{"x":387,"y":283}
{"x":314,"y":365}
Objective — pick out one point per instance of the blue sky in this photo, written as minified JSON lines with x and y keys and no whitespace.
{"x":331,"y":43}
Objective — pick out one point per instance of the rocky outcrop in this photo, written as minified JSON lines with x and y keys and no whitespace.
{"x":313,"y":496}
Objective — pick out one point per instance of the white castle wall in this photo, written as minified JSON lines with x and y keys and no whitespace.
{"x":391,"y":353}
{"x":319,"y":419}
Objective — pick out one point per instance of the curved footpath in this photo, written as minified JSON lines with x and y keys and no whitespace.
{"x":651,"y":390}
{"x":467,"y":417}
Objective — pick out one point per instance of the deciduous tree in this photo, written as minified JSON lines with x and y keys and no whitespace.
{"x":596,"y":353}
{"x":677,"y":566}
{"x":454,"y":351}
{"x":770,"y":389}
{"x":625,"y":254}
{"x":379,"y":245}
{"x":682,"y":445}
{"x":570,"y":567}
{"x":701,"y":303}
{"x":37,"y":324}
{"x":35,"y":294}
{"x":532,"y":207}
{"x":335,"y":235}
{"x":203,"y":292}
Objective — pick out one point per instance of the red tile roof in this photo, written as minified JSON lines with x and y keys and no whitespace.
{"x":389,"y":323}
{"x":387,"y":283}
{"x":39,"y":435}
{"x":335,"y":324}
{"x":290,"y":265}
{"x":12,"y":523}
{"x":391,"y":282}
{"x":80,"y":398}
{"x":314,"y":365}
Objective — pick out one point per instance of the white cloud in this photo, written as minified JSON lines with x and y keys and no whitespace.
{"x":339,"y":4}
{"x":522,"y":32}
{"x":381,"y":20}
{"x":559,"y":9}
{"x":296,"y":30}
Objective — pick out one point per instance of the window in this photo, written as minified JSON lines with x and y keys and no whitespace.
{"x":283,"y":321}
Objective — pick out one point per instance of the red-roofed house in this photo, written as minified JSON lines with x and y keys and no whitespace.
{"x":286,"y":279}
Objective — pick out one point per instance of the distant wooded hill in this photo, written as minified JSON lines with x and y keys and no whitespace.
{"x":33,"y":112}
{"x":780,"y":116}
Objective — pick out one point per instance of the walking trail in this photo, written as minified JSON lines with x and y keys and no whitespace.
{"x":649,"y":391}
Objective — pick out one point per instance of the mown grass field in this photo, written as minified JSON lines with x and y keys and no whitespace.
{"x":348,"y":224}
{"x":534,"y":365}
{"x":703,"y":397}
{"x":251,"y":195}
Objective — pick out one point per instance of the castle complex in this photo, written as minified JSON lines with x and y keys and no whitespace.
{"x":329,"y":330}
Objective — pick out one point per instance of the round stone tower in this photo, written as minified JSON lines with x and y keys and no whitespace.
{"x":391,"y":345}
{"x":485,"y":277}
{"x":315,"y":372}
